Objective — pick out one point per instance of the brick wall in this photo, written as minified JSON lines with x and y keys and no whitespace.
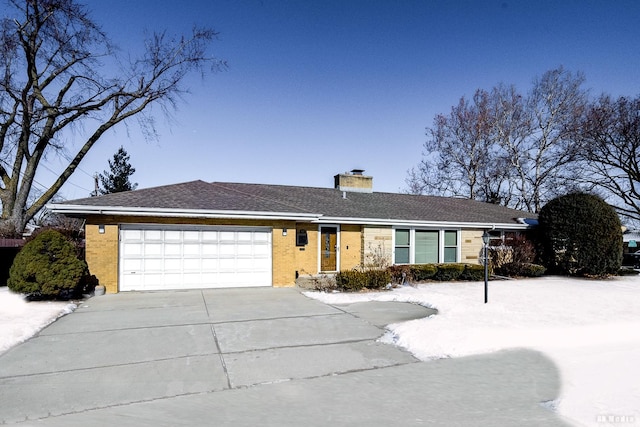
{"x":101,"y":254}
{"x":350,"y":246}
{"x":471,"y":246}
{"x":377,"y":240}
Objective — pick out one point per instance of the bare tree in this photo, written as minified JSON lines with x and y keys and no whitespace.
{"x":556,"y":100}
{"x":51,"y":52}
{"x":505,"y":148}
{"x":610,"y":135}
{"x":458,"y":152}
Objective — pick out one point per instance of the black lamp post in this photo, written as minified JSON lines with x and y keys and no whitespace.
{"x":485,"y":240}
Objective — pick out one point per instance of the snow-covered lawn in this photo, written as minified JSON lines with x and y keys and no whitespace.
{"x":20,"y":320}
{"x":589,"y":328}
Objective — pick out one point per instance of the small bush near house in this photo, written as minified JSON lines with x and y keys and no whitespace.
{"x":355,"y":280}
{"x":447,"y":272}
{"x":422,"y":272}
{"x":472,"y":272}
{"x":400,"y":274}
{"x":351,"y":280}
{"x":518,"y":248}
{"x":580,"y":235}
{"x":521,"y":269}
{"x":47,"y":267}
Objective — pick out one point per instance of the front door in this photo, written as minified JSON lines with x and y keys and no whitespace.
{"x":328,"y":248}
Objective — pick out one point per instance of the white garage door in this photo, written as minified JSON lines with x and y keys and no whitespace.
{"x":184,"y":257}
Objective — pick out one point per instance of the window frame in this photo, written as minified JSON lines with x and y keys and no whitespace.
{"x":441,"y":244}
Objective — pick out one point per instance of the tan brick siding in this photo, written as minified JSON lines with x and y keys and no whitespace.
{"x":101,"y":255}
{"x":350,"y":246}
{"x":377,"y":241}
{"x":306,"y":257}
{"x":471,"y":246}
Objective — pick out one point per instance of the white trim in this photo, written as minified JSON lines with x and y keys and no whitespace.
{"x":178,"y":213}
{"x":292,"y":216}
{"x":412,"y":242}
{"x":424,"y":224}
{"x":320,"y":227}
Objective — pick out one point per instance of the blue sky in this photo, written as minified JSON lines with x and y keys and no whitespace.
{"x":316,"y":88}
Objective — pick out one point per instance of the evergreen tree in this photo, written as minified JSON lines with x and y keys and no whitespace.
{"x":116,"y":179}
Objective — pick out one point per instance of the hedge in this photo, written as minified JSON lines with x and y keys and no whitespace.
{"x":521,"y":269}
{"x":448,"y":272}
{"x":356,"y":280}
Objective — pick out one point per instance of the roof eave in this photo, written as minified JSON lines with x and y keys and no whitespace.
{"x":84,"y":210}
{"x":413,"y":223}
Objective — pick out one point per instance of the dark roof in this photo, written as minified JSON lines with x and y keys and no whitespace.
{"x":328,"y":202}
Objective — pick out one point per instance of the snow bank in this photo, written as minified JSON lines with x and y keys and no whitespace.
{"x":20,"y":320}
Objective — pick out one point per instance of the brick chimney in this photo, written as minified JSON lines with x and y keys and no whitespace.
{"x":354,"y":182}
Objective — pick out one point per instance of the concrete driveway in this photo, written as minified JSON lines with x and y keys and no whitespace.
{"x":260,"y":356}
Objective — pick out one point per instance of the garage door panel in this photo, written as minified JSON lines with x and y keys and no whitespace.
{"x":132,"y":248}
{"x":191,"y":249}
{"x":151,"y":265}
{"x":192,"y":264}
{"x":172,"y":249}
{"x":172,"y":257}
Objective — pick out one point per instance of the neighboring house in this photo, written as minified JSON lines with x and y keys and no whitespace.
{"x":209,"y":235}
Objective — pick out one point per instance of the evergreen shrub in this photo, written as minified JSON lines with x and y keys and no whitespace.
{"x":47,"y":267}
{"x":422,"y":272}
{"x":448,"y":272}
{"x":521,"y":269}
{"x":580,"y":235}
{"x":356,"y":280}
{"x":351,"y":280}
{"x":472,"y":272}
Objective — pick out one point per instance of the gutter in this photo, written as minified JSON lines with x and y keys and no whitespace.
{"x":177,"y":213}
{"x":413,"y":223}
{"x":81,"y":210}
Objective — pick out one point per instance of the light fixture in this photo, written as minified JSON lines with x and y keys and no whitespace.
{"x":284,"y":231}
{"x":101,"y":228}
{"x":485,"y":241}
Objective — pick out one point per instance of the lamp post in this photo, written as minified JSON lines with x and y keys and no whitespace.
{"x":485,"y":241}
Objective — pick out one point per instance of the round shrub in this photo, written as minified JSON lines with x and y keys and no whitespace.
{"x":47,"y":267}
{"x":580,"y":235}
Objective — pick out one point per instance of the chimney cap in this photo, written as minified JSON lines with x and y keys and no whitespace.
{"x":357,"y":171}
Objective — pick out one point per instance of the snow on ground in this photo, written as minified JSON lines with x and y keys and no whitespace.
{"x":20,"y":319}
{"x":589,"y":328}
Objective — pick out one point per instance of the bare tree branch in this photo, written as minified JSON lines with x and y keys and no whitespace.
{"x":51,"y":51}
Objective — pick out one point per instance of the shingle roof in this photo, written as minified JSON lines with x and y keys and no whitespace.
{"x":325,"y":202}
